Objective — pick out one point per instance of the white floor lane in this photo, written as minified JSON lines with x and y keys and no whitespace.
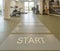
{"x":30,"y":24}
{"x":31,"y":42}
{"x":30,"y":34}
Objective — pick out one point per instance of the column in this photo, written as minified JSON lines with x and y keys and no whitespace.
{"x":7,"y":9}
{"x":41,"y":6}
{"x":59,"y":2}
{"x":47,"y":5}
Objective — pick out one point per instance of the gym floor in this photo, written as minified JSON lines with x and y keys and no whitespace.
{"x":7,"y":26}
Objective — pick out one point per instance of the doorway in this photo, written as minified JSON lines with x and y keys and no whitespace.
{"x":28,"y":6}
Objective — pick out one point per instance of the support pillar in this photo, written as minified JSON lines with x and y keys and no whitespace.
{"x":41,"y":7}
{"x":7,"y":9}
{"x":47,"y":5}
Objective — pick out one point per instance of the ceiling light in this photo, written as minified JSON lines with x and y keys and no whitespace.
{"x":30,"y":0}
{"x":17,"y":0}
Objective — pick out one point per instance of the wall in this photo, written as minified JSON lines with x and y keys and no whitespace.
{"x":18,"y":3}
{"x":1,"y":7}
{"x":12,"y":4}
{"x":21,"y":5}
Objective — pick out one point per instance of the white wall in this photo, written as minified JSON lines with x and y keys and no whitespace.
{"x":1,"y":7}
{"x":0,"y":4}
{"x":21,"y":5}
{"x":18,"y":3}
{"x":12,"y":4}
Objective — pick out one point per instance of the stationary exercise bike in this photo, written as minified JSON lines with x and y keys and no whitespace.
{"x":16,"y":12}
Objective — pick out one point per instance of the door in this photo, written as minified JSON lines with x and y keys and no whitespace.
{"x":28,"y":6}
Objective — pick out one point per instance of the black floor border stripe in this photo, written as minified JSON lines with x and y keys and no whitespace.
{"x":31,"y":33}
